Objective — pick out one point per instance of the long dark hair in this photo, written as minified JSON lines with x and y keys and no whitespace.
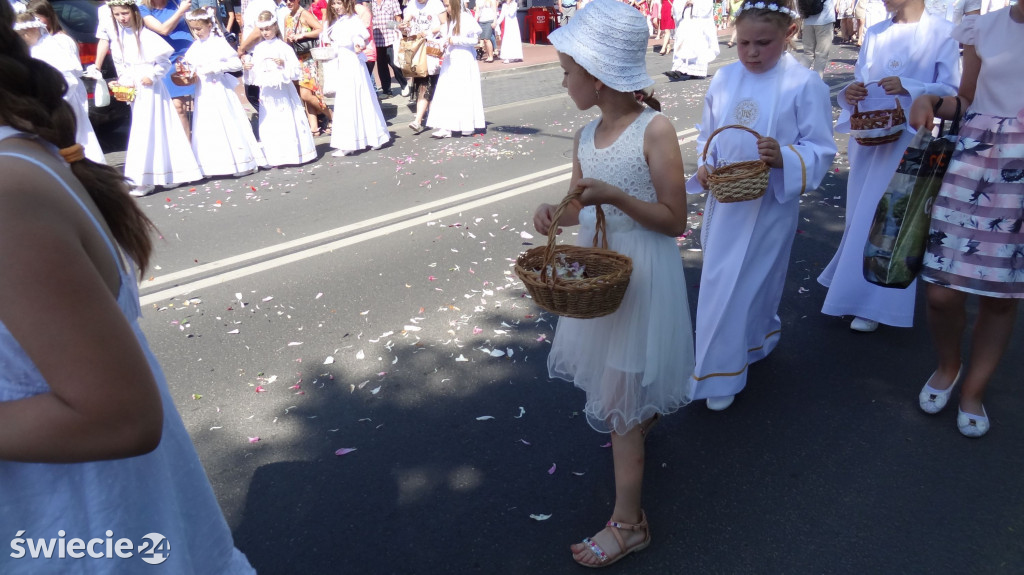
{"x":32,"y":101}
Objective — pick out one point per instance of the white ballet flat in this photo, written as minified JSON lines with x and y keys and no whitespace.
{"x":341,"y":153}
{"x":863,"y":325}
{"x":933,"y":400}
{"x":720,"y":403}
{"x":971,"y":425}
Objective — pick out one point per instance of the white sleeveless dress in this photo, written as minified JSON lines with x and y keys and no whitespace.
{"x":165,"y":491}
{"x":637,"y":361}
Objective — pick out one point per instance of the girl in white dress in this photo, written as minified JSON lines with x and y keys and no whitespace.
{"x":158,"y":153}
{"x":284,"y":129}
{"x":511,"y":38}
{"x":696,"y":38}
{"x":59,"y":50}
{"x":747,"y":244}
{"x":222,"y":137}
{"x":358,"y":120}
{"x":634,"y":363}
{"x":458,"y":104}
{"x":91,"y":443}
{"x":908,"y":56}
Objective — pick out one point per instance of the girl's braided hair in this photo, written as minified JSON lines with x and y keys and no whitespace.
{"x":32,"y":101}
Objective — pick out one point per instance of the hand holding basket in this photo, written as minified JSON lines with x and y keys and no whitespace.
{"x":183,"y":75}
{"x":739,"y":181}
{"x":597,"y":294}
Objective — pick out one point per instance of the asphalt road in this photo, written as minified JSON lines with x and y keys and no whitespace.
{"x":369,"y":303}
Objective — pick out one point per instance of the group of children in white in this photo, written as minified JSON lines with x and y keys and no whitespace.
{"x":642,"y":360}
{"x":159,"y":152}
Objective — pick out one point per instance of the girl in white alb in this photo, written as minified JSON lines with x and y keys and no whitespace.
{"x":158,"y":152}
{"x":747,"y":244}
{"x":358,"y":120}
{"x":284,"y":129}
{"x":222,"y":137}
{"x":909,"y":55}
{"x":458,"y":104}
{"x":61,"y":52}
{"x":696,"y":37}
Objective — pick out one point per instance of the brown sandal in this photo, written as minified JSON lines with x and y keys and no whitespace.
{"x":623,"y":551}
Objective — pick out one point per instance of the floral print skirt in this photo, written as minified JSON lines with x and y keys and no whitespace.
{"x":976,"y":241}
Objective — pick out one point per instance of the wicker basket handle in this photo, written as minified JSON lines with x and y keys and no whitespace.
{"x":549,"y":255}
{"x":707,"y":144}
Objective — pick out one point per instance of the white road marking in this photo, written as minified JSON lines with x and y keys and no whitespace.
{"x":550,"y":177}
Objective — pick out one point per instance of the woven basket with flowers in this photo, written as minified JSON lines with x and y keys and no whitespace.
{"x":575,"y":281}
{"x":877,"y":127}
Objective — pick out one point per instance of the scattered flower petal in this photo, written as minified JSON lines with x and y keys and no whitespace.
{"x":345,"y":450}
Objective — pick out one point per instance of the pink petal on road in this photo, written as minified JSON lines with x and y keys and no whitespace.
{"x":253,"y":439}
{"x":345,"y":450}
{"x":552,"y":470}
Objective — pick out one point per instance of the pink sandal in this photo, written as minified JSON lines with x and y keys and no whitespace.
{"x":604,"y":558}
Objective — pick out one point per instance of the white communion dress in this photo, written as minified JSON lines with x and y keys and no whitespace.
{"x":636,"y":361}
{"x":458,"y":103}
{"x":222,"y":137}
{"x":158,"y":150}
{"x":511,"y":37}
{"x":284,"y":129}
{"x":61,"y":52}
{"x":358,"y":120}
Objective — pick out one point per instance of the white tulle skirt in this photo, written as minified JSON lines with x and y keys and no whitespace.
{"x":637,"y":361}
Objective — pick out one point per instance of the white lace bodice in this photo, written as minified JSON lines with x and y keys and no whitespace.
{"x":621,"y":164}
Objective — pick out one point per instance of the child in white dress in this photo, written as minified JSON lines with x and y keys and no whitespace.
{"x":746,"y":244}
{"x":634,"y":363}
{"x":458,"y":104}
{"x":158,"y":153}
{"x":358,"y":120}
{"x":61,"y":52}
{"x":511,"y":39}
{"x":222,"y":137}
{"x":905,"y":57}
{"x":284,"y":129}
{"x":696,"y":38}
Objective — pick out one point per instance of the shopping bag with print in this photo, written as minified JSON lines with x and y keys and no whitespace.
{"x":898,"y":235}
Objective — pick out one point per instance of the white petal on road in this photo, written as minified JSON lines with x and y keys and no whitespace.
{"x":329,"y":360}
{"x":485,"y":417}
{"x":540,"y":517}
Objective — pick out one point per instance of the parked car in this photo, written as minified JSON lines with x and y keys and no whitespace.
{"x":79,"y":19}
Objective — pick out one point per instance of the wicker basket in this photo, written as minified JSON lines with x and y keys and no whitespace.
{"x":323,"y":53}
{"x":183,"y":75}
{"x":121,"y":93}
{"x":594,"y":296}
{"x":435,"y":49}
{"x":738,"y":182}
{"x":878,"y":127}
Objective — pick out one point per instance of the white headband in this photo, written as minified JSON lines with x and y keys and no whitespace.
{"x":266,"y":23}
{"x":772,"y":7}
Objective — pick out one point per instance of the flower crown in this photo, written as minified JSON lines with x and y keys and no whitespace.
{"x":266,"y":23}
{"x":763,"y":6}
{"x":198,"y":17}
{"x":122,"y":3}
{"x":28,"y":25}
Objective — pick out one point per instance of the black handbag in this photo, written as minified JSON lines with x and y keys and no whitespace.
{"x":306,"y":44}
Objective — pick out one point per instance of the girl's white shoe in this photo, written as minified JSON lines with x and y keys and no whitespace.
{"x":441,"y":134}
{"x":971,"y":425}
{"x":933,"y":400}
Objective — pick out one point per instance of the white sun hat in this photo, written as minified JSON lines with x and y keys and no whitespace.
{"x":609,"y":39}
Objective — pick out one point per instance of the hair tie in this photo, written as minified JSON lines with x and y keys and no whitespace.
{"x":73,"y":153}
